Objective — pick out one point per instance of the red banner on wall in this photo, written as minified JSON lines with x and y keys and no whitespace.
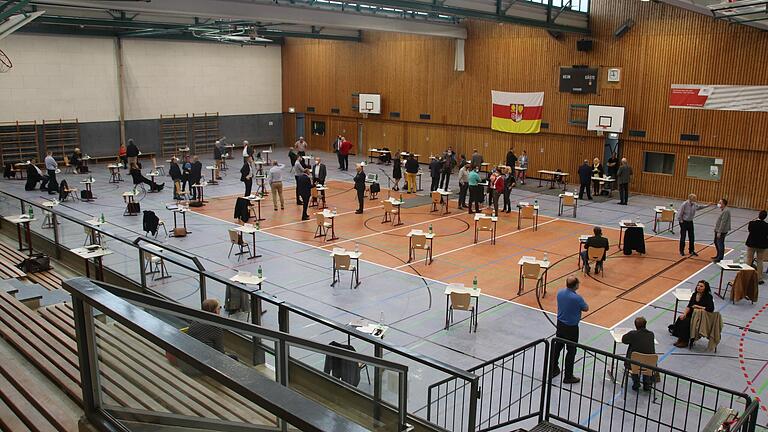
{"x":719,"y":97}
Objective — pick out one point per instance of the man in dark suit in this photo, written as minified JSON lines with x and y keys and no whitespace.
{"x":132,"y":152}
{"x":434,"y":172}
{"x":585,"y":178}
{"x":319,"y":172}
{"x":304,"y":188}
{"x":246,"y":175}
{"x":596,"y":241}
{"x":360,"y":187}
{"x":175,"y":172}
{"x":35,"y":175}
{"x":195,"y":175}
{"x":642,"y":341}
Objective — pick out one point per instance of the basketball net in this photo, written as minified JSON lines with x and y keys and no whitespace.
{"x":5,"y":62}
{"x":365,"y":115}
{"x":601,"y":130}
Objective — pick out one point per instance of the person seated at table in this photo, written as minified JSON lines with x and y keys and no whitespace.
{"x":596,"y":241}
{"x":76,"y":160}
{"x":138,"y":178}
{"x":209,"y":334}
{"x":385,"y":157}
{"x":122,"y":154}
{"x":700,"y":299}
{"x":640,"y":340}
{"x":34,"y":175}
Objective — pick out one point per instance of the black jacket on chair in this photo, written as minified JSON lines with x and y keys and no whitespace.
{"x":346,"y":370}
{"x":241,"y":209}
{"x":150,"y":222}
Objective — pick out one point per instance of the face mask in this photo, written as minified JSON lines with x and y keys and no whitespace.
{"x":719,"y":205}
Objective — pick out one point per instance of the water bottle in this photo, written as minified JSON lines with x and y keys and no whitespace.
{"x":535,"y":203}
{"x":102,"y":218}
{"x":474,"y":282}
{"x":257,"y":226}
{"x":381,"y":318}
{"x":546,"y":258}
{"x":334,"y":210}
{"x":741,"y":257}
{"x":30,"y":212}
{"x":671,"y":206}
{"x":401,"y":198}
{"x":430,"y":228}
{"x":357,"y":247}
{"x":493,"y":214}
{"x":259,"y":273}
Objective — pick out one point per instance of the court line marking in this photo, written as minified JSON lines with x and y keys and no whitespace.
{"x":481,"y":242}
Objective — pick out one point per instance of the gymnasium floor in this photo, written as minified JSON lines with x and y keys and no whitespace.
{"x":410,"y":296}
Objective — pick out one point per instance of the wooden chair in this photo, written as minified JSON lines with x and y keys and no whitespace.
{"x":531,"y":271}
{"x":668,"y":216}
{"x":70,"y":192}
{"x":486,"y":224}
{"x":594,"y":255}
{"x":313,"y":202}
{"x":463,"y":302}
{"x":745,"y":283}
{"x":343,"y":263}
{"x":650,"y":360}
{"x":420,"y":242}
{"x":526,"y":212}
{"x":436,"y":201}
{"x":322,"y":225}
{"x":159,"y":169}
{"x":237,"y":240}
{"x":568,"y":201}
{"x":390,"y":211}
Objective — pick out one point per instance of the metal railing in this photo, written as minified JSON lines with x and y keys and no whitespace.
{"x":290,"y":407}
{"x":281,"y":320}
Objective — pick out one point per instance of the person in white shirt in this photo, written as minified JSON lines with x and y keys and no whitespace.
{"x":301,"y":146}
{"x":275,"y":179}
{"x":246,"y":151}
{"x":51,"y":166}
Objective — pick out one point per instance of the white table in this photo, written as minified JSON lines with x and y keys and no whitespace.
{"x":729,"y":265}
{"x":24,"y":220}
{"x":353,"y":255}
{"x":544,"y":266}
{"x":332,"y":216}
{"x":624,"y":224}
{"x":88,"y":183}
{"x":252,"y":230}
{"x":553,"y":175}
{"x":156,"y":258}
{"x":48,"y":220}
{"x":213,"y":174}
{"x":430,"y":237}
{"x":95,"y":252}
{"x":256,"y":199}
{"x":246,"y":278}
{"x":461,"y":289}
{"x":178,"y":209}
{"x":657,"y":211}
{"x":681,"y":295}
{"x":114,"y":173}
{"x":444,"y":194}
{"x":321,"y":195}
{"x":493,"y":219}
{"x":560,"y":207}
{"x":535,"y":206}
{"x":200,"y":191}
{"x":266,"y":154}
{"x":373,"y":329}
{"x":130,"y":198}
{"x":20,"y":167}
{"x":375,"y":153}
{"x":604,"y":181}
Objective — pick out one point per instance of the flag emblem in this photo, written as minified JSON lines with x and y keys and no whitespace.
{"x":516,"y":112}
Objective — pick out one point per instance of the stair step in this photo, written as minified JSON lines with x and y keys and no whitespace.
{"x":548,"y":427}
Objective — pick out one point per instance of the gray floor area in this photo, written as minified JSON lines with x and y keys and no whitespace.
{"x":413,"y":306}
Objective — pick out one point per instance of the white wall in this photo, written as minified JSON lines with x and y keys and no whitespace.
{"x":76,"y":77}
{"x":170,"y":77}
{"x":59,"y":77}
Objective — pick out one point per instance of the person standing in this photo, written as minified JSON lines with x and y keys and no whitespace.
{"x":434,"y":173}
{"x":463,"y":185}
{"x":570,"y":305}
{"x":612,"y":168}
{"x":292,"y":156}
{"x":448,"y":162}
{"x":304,"y":190}
{"x":623,"y":177}
{"x":509,"y":183}
{"x":585,"y":178}
{"x":511,"y":158}
{"x":186,"y":168}
{"x":346,"y":148}
{"x":411,"y":169}
{"x":722,"y":226}
{"x":246,"y":151}
{"x":301,"y":146}
{"x":757,"y":243}
{"x":360,"y":187}
{"x":175,"y":172}
{"x":51,"y":166}
{"x":337,"y":149}
{"x":685,"y":218}
{"x":463,"y":161}
{"x":523,"y":166}
{"x":275,"y":179}
{"x":246,"y":175}
{"x":122,"y":154}
{"x":132,"y":153}
{"x":319,"y":172}
{"x":640,"y":340}
{"x":597,"y":171}
{"x":498,"y":189}
{"x":397,"y":171}
{"x":477,"y":159}
{"x":475,"y":189}
{"x":297,"y":170}
{"x":195,"y":176}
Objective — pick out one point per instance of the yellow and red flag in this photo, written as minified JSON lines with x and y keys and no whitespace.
{"x":517,"y":112}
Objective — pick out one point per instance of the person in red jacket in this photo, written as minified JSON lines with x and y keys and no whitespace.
{"x":344,"y":149}
{"x":498,"y":189}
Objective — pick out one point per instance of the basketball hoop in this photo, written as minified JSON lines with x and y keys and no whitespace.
{"x":601,"y":130}
{"x":5,"y":62}
{"x":365,"y":115}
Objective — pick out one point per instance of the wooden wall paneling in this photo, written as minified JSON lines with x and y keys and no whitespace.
{"x":289,"y":128}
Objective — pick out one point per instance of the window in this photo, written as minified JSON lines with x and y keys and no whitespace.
{"x":318,"y":128}
{"x":704,"y":168}
{"x":659,"y":163}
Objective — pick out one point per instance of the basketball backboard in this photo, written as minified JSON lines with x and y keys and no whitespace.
{"x":605,"y":118}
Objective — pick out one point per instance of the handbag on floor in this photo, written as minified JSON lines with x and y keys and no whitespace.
{"x":35,"y":263}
